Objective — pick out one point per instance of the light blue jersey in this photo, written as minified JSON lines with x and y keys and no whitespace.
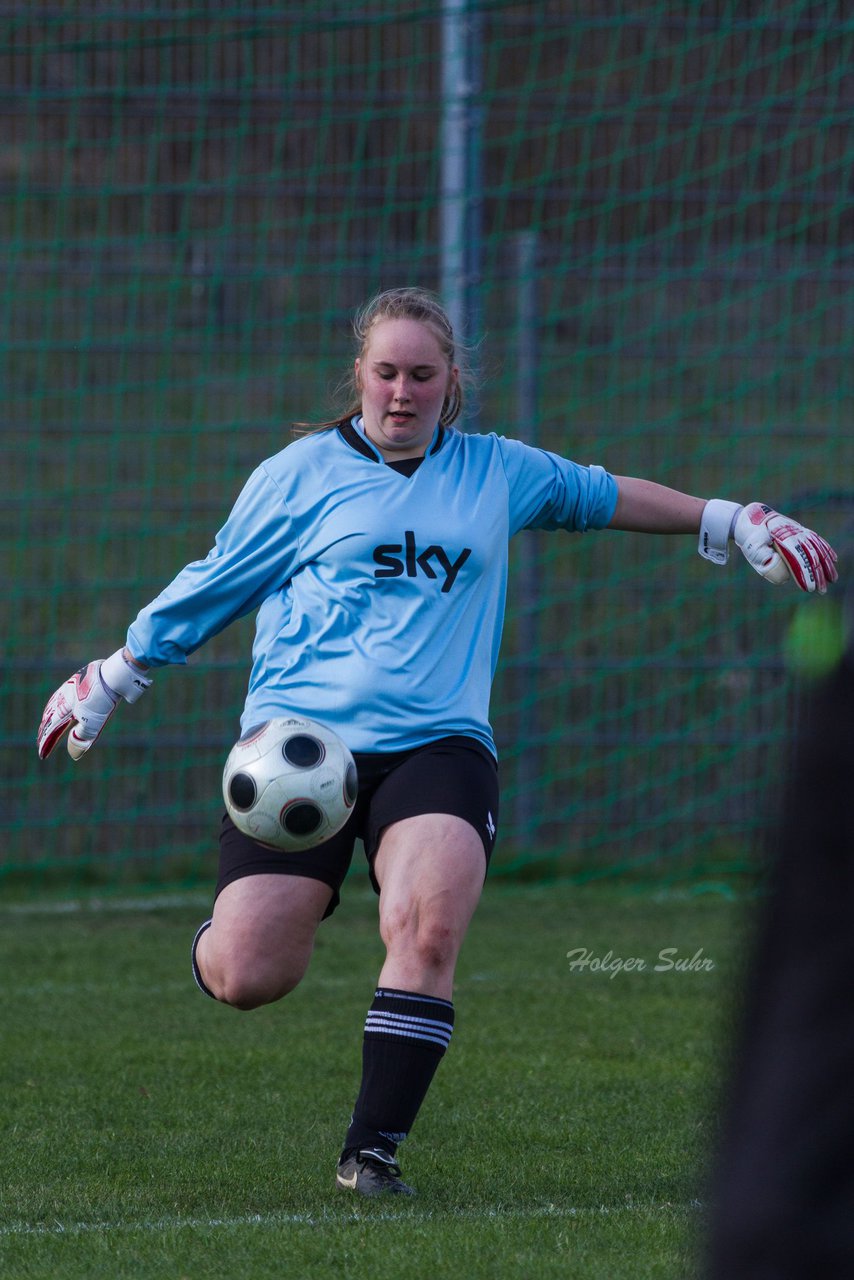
{"x":380,"y":596}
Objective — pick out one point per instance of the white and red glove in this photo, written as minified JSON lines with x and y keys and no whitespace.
{"x":777,"y":547}
{"x":85,"y":702}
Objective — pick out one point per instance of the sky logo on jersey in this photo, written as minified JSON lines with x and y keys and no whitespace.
{"x":412,"y":562}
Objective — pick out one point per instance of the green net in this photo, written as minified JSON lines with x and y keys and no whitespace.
{"x":656,"y":250}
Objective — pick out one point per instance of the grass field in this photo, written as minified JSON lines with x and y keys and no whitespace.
{"x":149,"y":1133}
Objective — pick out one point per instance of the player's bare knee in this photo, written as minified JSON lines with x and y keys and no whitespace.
{"x":436,"y":944}
{"x":425,"y":939}
{"x":398,"y":926}
{"x":246,"y":997}
{"x":246,"y":981}
{"x":250,"y":990}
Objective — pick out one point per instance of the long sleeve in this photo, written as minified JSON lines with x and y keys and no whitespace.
{"x":548,"y":491}
{"x":255,"y":552}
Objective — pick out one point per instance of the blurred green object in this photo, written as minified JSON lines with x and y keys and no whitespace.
{"x":816,"y":639}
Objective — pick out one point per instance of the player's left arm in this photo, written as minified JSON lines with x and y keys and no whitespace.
{"x":646,"y":507}
{"x":778,"y":547}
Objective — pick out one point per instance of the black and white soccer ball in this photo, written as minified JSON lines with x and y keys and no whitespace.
{"x":290,"y":783}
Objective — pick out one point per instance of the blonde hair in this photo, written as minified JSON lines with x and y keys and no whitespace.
{"x":407,"y":303}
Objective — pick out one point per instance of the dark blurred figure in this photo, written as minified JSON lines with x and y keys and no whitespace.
{"x":782,"y":1204}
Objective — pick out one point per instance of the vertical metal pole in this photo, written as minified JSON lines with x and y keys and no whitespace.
{"x":474,"y":209}
{"x":529,"y":764}
{"x":527,"y":337}
{"x":461,"y":182}
{"x":453,"y":142}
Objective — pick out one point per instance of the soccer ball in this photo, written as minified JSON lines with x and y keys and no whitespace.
{"x":289,"y":783}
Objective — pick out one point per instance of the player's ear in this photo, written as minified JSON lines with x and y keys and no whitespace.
{"x":357,"y":373}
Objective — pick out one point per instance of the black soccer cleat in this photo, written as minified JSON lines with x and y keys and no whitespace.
{"x":371,"y":1172}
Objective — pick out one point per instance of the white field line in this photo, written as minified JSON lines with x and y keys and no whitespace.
{"x":327,"y":1219}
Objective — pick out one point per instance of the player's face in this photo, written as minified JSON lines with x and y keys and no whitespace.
{"x":404,"y":377}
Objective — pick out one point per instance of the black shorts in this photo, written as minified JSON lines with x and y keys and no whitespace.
{"x":455,"y":775}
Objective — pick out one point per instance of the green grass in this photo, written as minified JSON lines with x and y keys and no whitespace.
{"x":151,"y":1133}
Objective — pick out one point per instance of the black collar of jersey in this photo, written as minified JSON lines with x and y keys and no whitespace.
{"x":356,"y":440}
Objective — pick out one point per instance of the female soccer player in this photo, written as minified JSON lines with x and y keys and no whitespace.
{"x":375,"y":551}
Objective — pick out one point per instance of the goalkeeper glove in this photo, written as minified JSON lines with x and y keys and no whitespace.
{"x":776,"y":546}
{"x":85,"y":702}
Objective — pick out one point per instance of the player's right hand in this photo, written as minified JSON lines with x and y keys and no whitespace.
{"x":85,"y":702}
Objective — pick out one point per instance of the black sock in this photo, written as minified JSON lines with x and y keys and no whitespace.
{"x":406,"y":1035}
